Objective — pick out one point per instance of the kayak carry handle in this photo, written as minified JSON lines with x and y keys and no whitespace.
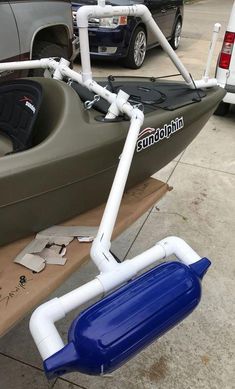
{"x":113,"y":330}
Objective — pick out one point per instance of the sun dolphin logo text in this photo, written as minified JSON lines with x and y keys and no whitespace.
{"x":154,"y":135}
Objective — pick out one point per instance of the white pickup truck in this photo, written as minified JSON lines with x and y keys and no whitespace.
{"x":35,"y":29}
{"x":225,"y":72}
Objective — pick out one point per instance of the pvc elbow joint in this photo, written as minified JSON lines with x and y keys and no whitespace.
{"x":102,"y":257}
{"x":86,"y":11}
{"x":137,"y":114}
{"x":178,"y":247}
{"x":48,"y":63}
{"x":82,"y":16}
{"x":42,"y":327}
{"x":144,"y":12}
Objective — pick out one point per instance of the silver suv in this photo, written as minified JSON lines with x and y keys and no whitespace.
{"x":35,"y":29}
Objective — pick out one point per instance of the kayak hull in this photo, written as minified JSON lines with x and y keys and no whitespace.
{"x":71,"y":167}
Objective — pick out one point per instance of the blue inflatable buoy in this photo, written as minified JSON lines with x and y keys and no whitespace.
{"x":110,"y":332}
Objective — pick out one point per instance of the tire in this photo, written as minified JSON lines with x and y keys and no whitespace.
{"x":137,"y":49}
{"x":45,"y":50}
{"x":222,"y":109}
{"x":176,"y":36}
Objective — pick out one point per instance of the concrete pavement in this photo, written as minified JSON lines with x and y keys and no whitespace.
{"x":199,"y":353}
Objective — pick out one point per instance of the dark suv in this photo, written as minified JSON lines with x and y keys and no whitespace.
{"x":128,"y":37}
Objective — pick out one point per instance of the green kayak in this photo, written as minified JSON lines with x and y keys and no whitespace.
{"x":69,"y":163}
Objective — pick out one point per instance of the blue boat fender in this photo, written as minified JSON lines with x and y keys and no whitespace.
{"x":110,"y":332}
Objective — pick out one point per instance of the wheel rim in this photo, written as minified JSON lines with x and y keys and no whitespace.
{"x":177,"y":36}
{"x":140,"y":48}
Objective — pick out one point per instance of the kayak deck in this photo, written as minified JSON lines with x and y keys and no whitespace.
{"x":17,"y":300}
{"x":152,"y":93}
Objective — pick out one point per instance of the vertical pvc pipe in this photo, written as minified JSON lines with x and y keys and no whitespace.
{"x":214,"y":38}
{"x":116,"y":193}
{"x":85,"y":54}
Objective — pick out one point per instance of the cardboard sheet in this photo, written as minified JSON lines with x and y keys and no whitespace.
{"x":21,"y":290}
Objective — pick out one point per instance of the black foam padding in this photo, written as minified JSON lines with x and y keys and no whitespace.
{"x":85,"y":95}
{"x":151,"y":94}
{"x":20,"y":101}
{"x":165,"y":95}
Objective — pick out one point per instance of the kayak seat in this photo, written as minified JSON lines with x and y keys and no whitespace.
{"x":61,"y":109}
{"x":20,"y":102}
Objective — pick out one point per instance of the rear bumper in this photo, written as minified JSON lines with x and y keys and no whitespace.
{"x":228,"y":83}
{"x":229,"y":98}
{"x":230,"y":95}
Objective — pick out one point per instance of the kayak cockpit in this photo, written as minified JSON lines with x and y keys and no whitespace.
{"x":20,"y":102}
{"x":31,"y":110}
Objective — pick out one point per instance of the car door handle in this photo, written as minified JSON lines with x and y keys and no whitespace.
{"x":163,"y":10}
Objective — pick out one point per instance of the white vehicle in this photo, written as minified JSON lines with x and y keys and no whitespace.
{"x":225,"y":72}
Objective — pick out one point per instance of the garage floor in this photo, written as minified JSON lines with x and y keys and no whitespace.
{"x":200,"y":352}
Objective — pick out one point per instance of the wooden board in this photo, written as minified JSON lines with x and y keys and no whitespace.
{"x":17,"y":299}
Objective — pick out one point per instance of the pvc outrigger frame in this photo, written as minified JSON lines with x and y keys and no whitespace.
{"x":112,"y":274}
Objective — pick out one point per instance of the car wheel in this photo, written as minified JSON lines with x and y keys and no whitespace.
{"x":176,"y":36}
{"x":222,"y":109}
{"x":137,"y":49}
{"x":45,"y":50}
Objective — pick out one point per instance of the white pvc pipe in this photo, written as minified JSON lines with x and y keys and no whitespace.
{"x":42,"y":328}
{"x":81,"y":295}
{"x":84,"y":54}
{"x":42,"y":321}
{"x":130,"y":268}
{"x":169,"y":50}
{"x":86,"y":12}
{"x":171,"y":245}
{"x":102,"y":243}
{"x":44,"y":63}
{"x":57,"y":75}
{"x":21,"y":65}
{"x":114,"y":200}
{"x":214,"y":38}
{"x":178,"y":247}
{"x":203,"y":83}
